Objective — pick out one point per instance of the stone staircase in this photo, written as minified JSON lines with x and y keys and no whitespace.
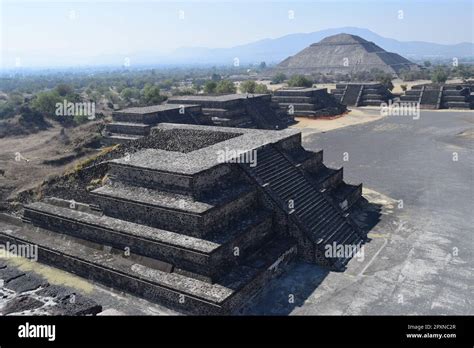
{"x":192,"y":250}
{"x":430,"y":98}
{"x":361,"y":94}
{"x":239,"y":110}
{"x":457,"y":97}
{"x":352,"y":95}
{"x":307,"y":102}
{"x":318,"y":218}
{"x":412,"y":96}
{"x":433,"y":96}
{"x":175,"y":225}
{"x":267,"y":115}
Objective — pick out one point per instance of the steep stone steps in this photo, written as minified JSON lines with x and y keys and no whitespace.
{"x":177,"y":291}
{"x":351,"y":95}
{"x":264,"y":117}
{"x":206,"y":257}
{"x":320,"y":219}
{"x":430,"y":97}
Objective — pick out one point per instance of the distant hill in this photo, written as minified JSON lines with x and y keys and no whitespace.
{"x":276,"y":50}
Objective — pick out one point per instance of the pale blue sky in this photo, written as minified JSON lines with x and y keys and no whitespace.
{"x":37,"y":30}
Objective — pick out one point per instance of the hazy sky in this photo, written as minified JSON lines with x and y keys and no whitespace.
{"x":36,"y":31}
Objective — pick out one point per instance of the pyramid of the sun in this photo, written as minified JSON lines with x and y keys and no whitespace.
{"x":344,"y":54}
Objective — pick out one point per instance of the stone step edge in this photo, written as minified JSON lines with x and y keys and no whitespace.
{"x":129,"y":124}
{"x":42,"y":248}
{"x":215,"y":306}
{"x":220,"y":205}
{"x":213,"y":246}
{"x":128,"y":234}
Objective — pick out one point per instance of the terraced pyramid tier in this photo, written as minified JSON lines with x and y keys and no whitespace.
{"x":311,"y":102}
{"x":444,"y":96}
{"x":361,"y":94}
{"x":201,"y":219}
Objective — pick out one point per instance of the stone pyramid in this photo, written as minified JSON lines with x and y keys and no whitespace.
{"x":343,"y":53}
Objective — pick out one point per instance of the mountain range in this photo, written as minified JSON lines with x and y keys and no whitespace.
{"x":276,"y":50}
{"x":271,"y":51}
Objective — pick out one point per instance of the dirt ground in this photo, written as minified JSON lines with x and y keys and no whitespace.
{"x":25,"y":161}
{"x":354,"y":116}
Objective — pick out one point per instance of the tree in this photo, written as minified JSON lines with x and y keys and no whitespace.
{"x":151,"y":95}
{"x":300,"y":81}
{"x":439,"y":75}
{"x":166,"y":84}
{"x":210,"y":87}
{"x":185,"y":91}
{"x":7,"y":110}
{"x":260,"y":88}
{"x":45,"y":103}
{"x":386,"y":80}
{"x":464,"y":71}
{"x":216,"y":77}
{"x":253,"y":87}
{"x":248,"y":86}
{"x":225,"y":86}
{"x":129,"y":93}
{"x":279,"y":78}
{"x":28,"y":115}
{"x":262,"y":65}
{"x":427,"y":63}
{"x":64,"y":89}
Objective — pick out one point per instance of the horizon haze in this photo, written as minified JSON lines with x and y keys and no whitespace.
{"x":66,"y":33}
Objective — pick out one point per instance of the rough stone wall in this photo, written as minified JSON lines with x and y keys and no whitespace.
{"x":197,"y":225}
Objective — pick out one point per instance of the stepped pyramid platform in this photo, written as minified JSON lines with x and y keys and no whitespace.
{"x":239,"y":110}
{"x":444,"y":96}
{"x":309,"y":102}
{"x":361,"y":94}
{"x":200,"y":219}
{"x":343,"y":54}
{"x":229,"y":110}
{"x":133,"y":123}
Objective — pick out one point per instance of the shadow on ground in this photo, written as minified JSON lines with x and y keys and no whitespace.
{"x":299,"y":282}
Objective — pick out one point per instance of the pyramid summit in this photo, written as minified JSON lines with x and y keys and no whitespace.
{"x":344,"y":54}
